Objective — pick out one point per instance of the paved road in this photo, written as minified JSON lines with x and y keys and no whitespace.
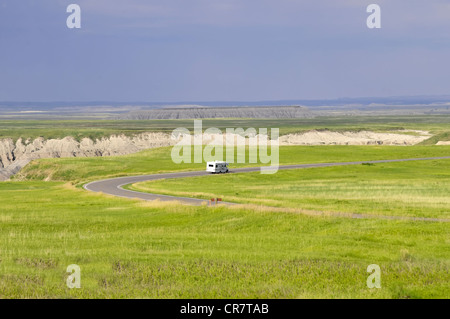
{"x":115,"y":186}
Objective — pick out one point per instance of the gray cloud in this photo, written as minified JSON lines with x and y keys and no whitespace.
{"x":222,"y":49}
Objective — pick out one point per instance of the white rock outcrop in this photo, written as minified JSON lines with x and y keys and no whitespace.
{"x":352,"y":138}
{"x":14,"y":156}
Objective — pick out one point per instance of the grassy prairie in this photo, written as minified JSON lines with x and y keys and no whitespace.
{"x":415,"y":189}
{"x":79,"y":170}
{"x":129,"y":248}
{"x":135,"y":249}
{"x":437,"y":124}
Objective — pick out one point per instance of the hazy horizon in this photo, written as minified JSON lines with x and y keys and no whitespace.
{"x":417,"y":99}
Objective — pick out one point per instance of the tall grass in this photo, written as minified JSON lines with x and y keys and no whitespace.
{"x":414,"y":189}
{"x":129,"y":248}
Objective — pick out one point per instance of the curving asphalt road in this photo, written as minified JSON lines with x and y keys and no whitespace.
{"x":115,"y":186}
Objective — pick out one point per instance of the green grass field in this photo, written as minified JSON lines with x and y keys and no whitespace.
{"x":81,"y":170}
{"x":130,"y":248}
{"x":414,"y":189}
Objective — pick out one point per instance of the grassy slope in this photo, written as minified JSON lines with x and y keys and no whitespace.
{"x":159,"y":160}
{"x":418,"y":189}
{"x":130,"y":248}
{"x":443,"y":136}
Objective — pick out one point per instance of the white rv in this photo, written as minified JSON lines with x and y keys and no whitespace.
{"x":217,"y":167}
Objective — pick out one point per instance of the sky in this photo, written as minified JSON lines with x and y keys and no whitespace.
{"x":222,"y":50}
